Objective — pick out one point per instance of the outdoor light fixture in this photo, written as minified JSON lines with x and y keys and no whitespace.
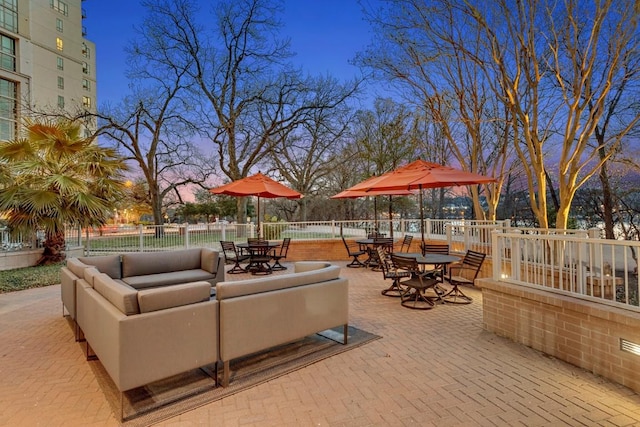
{"x":629,"y":347}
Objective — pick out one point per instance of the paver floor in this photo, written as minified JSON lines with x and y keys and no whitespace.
{"x":431,"y":368}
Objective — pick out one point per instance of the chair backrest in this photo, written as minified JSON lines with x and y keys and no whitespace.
{"x":383,"y":261}
{"x":406,"y":243}
{"x":404,"y":263}
{"x":228,"y":248}
{"x":435,"y":248}
{"x":285,"y":246}
{"x":254,"y":240}
{"x":350,"y":247}
{"x":474,"y":260}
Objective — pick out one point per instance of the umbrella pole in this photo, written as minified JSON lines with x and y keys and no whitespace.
{"x":421,"y":214}
{"x":258,"y":220}
{"x":375,"y":214}
{"x":390,"y":218}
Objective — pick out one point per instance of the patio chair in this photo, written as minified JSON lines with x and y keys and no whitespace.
{"x":435,"y":248}
{"x":354,"y":250}
{"x":389,"y":271}
{"x":233,"y":256}
{"x":284,"y":248}
{"x":406,"y":243}
{"x":418,"y":284}
{"x":463,"y":273}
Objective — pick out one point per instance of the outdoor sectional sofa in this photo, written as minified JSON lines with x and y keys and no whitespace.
{"x":148,"y":334}
{"x":142,"y":270}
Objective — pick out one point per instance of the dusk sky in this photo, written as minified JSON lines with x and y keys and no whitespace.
{"x":325,"y":34}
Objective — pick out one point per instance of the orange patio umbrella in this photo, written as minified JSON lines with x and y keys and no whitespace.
{"x":419,"y":175}
{"x":257,"y":185}
{"x":352,"y":194}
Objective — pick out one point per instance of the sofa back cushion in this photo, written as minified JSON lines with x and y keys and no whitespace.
{"x":145,"y":263}
{"x":122,"y":296}
{"x":209,"y":260}
{"x":89,"y":274}
{"x":76,"y":266}
{"x":173,"y":296}
{"x":302,"y":266}
{"x":107,"y":264}
{"x":240,"y":288}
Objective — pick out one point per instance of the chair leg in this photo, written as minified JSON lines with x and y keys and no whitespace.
{"x":277,"y":266}
{"x":356,"y":263}
{"x":237,"y":269}
{"x":456,"y":296}
{"x":416,"y":300}
{"x":395,"y":290}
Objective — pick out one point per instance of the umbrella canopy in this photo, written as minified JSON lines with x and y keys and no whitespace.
{"x":419,"y":175}
{"x":257,"y":185}
{"x":352,"y":194}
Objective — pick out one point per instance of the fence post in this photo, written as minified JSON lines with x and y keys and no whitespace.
{"x":141,"y":238}
{"x":496,"y":258}
{"x":516,"y":257}
{"x":333,"y":228}
{"x":186,"y":235}
{"x":449,"y":233}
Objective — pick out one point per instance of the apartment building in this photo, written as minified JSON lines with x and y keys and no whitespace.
{"x":46,"y":63}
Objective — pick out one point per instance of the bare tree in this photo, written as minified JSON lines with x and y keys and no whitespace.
{"x":306,"y":154}
{"x":555,"y":64}
{"x":249,"y":95}
{"x":422,"y":50}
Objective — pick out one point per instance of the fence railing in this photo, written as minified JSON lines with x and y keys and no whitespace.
{"x":577,"y":263}
{"x":20,"y":242}
{"x":465,"y":235}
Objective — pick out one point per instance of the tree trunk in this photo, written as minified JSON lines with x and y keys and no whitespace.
{"x":54,"y":246}
{"x":607,"y":198}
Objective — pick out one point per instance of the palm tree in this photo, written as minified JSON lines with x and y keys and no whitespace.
{"x":54,"y":178}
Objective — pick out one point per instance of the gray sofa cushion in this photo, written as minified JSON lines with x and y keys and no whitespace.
{"x":76,"y":266}
{"x":165,"y":279}
{"x":173,"y":296}
{"x":90,"y":274}
{"x":147,"y":263}
{"x":123,"y":297}
{"x":265,"y":284}
{"x":107,"y":264}
{"x":209,"y":260}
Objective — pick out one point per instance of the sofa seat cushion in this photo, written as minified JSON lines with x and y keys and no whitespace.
{"x":165,"y":279}
{"x":122,"y":296}
{"x":148,"y":263}
{"x":173,"y":296}
{"x":107,"y":264}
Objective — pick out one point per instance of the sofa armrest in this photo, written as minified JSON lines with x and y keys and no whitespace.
{"x":142,"y":348}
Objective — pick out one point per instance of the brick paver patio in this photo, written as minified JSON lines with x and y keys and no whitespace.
{"x":433,"y":368}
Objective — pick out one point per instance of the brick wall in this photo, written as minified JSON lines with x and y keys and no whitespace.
{"x":584,"y":333}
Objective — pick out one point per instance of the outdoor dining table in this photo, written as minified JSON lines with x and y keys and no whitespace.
{"x":438,"y":260}
{"x":258,"y":256}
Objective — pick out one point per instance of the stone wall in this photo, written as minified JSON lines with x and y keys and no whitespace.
{"x":584,"y":333}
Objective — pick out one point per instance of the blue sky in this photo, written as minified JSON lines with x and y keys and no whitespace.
{"x":325,"y":34}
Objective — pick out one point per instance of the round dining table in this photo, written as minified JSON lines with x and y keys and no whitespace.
{"x":258,"y":256}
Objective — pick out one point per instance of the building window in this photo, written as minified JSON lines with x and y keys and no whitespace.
{"x":59,"y":44}
{"x":7,"y":53}
{"x":86,"y":102}
{"x":59,"y":6}
{"x":9,"y":15}
{"x":60,"y":82}
{"x":59,"y":25}
{"x":8,"y":110}
{"x":86,"y":52}
{"x":60,"y":101}
{"x":86,"y":84}
{"x":60,"y":62}
{"x":85,"y":68}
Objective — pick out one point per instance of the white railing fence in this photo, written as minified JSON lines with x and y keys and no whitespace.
{"x":574,"y":262}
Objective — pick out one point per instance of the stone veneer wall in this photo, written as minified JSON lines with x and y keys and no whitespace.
{"x":584,"y":333}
